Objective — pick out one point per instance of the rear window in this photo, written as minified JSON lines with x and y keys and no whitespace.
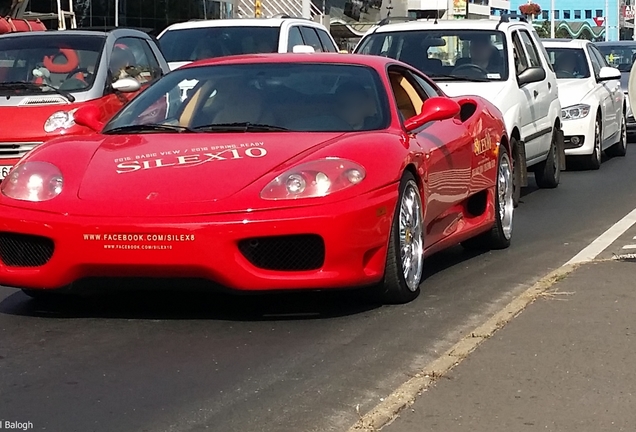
{"x":619,"y":56}
{"x":201,"y":43}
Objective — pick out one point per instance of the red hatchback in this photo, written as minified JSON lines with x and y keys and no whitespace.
{"x":46,"y":76}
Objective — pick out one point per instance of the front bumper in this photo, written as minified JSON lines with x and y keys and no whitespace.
{"x":583,"y":129}
{"x":217,"y":248}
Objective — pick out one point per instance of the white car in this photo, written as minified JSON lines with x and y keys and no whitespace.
{"x":186,"y":42}
{"x":502,"y":61}
{"x":594,"y":107}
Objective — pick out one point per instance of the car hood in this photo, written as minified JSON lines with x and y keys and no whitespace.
{"x":574,"y":91}
{"x":187,"y":168}
{"x":26,"y":123}
{"x":491,"y":91}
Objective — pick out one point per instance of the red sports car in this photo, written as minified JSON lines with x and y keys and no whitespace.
{"x":275,"y":172}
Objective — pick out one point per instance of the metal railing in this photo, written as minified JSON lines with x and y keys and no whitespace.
{"x":270,"y":8}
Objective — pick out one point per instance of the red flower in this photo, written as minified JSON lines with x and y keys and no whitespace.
{"x":530,"y":9}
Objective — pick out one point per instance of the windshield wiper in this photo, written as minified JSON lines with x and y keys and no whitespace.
{"x":457,"y":77}
{"x":24,"y":85}
{"x":240,"y":127}
{"x":152,"y":127}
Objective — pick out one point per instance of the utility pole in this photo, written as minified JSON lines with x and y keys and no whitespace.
{"x":116,"y":13}
{"x":606,"y":20}
{"x":552,"y":29}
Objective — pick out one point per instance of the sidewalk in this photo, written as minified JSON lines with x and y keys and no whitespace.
{"x":567,"y":363}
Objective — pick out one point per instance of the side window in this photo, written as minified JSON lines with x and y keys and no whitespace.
{"x":543,"y":51}
{"x":428,"y":88}
{"x":407,"y":97}
{"x":311,"y":38}
{"x":130,"y":59}
{"x":595,"y":63}
{"x":600,"y":57}
{"x":327,"y":44}
{"x":295,"y":38}
{"x":152,"y":61}
{"x":531,"y":50}
{"x":521,"y":62}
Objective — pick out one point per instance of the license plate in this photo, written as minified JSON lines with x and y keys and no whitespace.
{"x":4,"y":170}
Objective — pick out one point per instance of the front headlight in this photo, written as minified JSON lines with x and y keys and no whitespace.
{"x":60,"y":120}
{"x":314,"y":179}
{"x":575,"y":112}
{"x":33,"y":181}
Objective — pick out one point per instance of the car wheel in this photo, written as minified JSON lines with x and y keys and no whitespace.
{"x":620,"y":148}
{"x":516,"y":171}
{"x":405,"y":255}
{"x":548,"y":173}
{"x":593,"y":161}
{"x":501,"y":233}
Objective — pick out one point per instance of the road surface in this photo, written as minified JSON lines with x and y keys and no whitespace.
{"x":181,"y":361}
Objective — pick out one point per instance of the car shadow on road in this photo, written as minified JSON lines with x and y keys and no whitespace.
{"x":194,"y":300}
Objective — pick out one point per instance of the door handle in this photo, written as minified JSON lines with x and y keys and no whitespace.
{"x":549,"y":86}
{"x":536,"y":93}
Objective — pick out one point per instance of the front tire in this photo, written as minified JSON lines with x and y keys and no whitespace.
{"x":405,"y":255}
{"x":620,"y":148}
{"x":500,"y":234}
{"x":593,"y":162}
{"x":548,"y":173}
{"x":516,"y":170}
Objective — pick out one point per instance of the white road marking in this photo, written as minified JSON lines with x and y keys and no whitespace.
{"x":629,"y":246}
{"x":604,"y":240}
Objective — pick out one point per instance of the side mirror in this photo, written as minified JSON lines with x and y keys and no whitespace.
{"x":89,"y":116}
{"x":433,"y":109}
{"x":126,"y":85}
{"x":531,"y":75}
{"x":303,"y":49}
{"x":608,"y":73}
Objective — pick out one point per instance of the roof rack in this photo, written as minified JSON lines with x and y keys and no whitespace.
{"x":390,"y":19}
{"x":508,"y":17}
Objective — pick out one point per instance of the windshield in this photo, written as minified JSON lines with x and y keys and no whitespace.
{"x":201,"y":43}
{"x":444,"y":54}
{"x":569,"y":63}
{"x":285,"y":96}
{"x":619,"y":56}
{"x":46,"y":62}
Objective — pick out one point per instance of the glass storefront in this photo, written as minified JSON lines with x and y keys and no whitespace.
{"x":151,"y":15}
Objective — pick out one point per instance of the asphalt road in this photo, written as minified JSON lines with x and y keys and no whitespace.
{"x":179,"y":361}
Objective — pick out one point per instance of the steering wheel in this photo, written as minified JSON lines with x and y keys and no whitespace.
{"x":471,"y":67}
{"x":77,"y":70}
{"x":565,"y":74}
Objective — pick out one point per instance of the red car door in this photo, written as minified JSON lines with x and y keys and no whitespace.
{"x":447,"y":148}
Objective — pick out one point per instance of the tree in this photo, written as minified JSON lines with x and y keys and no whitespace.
{"x":530,"y":9}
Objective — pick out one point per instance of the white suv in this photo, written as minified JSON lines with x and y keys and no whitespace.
{"x":502,"y":61}
{"x":185,"y":42}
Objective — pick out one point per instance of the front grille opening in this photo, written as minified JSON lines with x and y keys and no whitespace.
{"x":24,"y":250}
{"x":285,"y":253}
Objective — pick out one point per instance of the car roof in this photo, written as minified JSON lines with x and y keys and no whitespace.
{"x":237,"y":22}
{"x":428,"y":24}
{"x":118,"y":32}
{"x":565,"y":43}
{"x":622,"y":42}
{"x":376,"y":62}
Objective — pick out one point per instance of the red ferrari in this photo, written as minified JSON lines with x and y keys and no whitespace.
{"x":274,"y":172}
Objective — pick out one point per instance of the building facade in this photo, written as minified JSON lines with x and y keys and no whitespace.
{"x":583,"y":18}
{"x":150,"y":15}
